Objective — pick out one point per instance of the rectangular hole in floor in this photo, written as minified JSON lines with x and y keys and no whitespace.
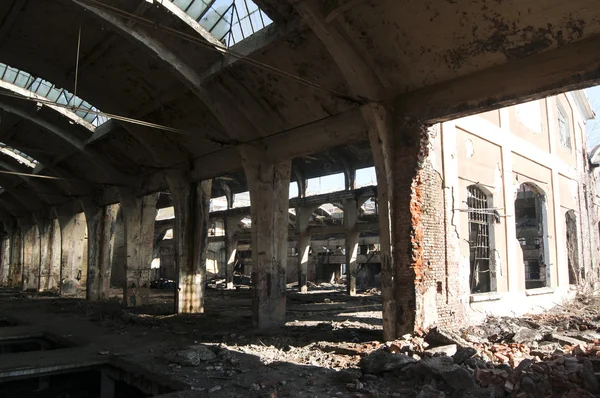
{"x":39,"y":343}
{"x":99,"y":382}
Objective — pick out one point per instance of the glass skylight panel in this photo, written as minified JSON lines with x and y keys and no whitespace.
{"x":18,"y":155}
{"x":229,"y":21}
{"x":49,"y":91}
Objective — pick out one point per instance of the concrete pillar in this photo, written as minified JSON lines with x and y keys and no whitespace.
{"x":16,"y":258}
{"x":231,"y":247}
{"x":302,"y":218}
{"x":72,"y":266}
{"x":352,"y":235}
{"x":139,"y":214}
{"x":5,"y":257}
{"x":398,"y":152}
{"x":101,"y":223}
{"x":191,"y":201}
{"x":31,"y":257}
{"x":50,"y":253}
{"x":107,"y":386}
{"x":268,"y":182}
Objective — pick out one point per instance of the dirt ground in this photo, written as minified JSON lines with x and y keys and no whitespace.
{"x":330,"y":347}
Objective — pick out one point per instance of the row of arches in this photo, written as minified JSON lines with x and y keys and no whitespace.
{"x":531,"y":232}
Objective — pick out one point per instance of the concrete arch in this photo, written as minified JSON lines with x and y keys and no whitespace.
{"x":78,"y":143}
{"x":231,"y":118}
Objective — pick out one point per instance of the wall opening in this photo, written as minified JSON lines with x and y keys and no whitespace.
{"x":572,"y":245}
{"x":530,"y":224}
{"x":479,"y":210}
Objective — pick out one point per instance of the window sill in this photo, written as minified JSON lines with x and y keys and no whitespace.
{"x":539,"y":291}
{"x":482,"y":297}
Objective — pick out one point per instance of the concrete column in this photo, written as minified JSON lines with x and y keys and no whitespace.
{"x":231,"y":247}
{"x":268,"y":182}
{"x":5,"y":257}
{"x":107,"y":386}
{"x":101,"y":223}
{"x":398,"y":152}
{"x":139,"y":215}
{"x":514,"y":271}
{"x":31,"y":257}
{"x":50,"y":247}
{"x":352,"y":235}
{"x":191,"y":201}
{"x":16,"y":258}
{"x":302,"y":218}
{"x":73,"y":232}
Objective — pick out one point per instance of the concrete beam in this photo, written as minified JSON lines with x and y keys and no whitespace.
{"x":70,"y":138}
{"x":10,"y":19}
{"x":570,"y":67}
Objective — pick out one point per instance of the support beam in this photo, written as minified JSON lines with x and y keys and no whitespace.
{"x":10,"y":19}
{"x":101,"y":222}
{"x":138,"y":217}
{"x":268,"y":182}
{"x":5,"y":256}
{"x":71,"y":138}
{"x":73,"y":265}
{"x":397,"y":152}
{"x":231,"y":242}
{"x":191,"y":202}
{"x":303,"y":215}
{"x":16,"y":258}
{"x":31,"y":258}
{"x":50,"y":253}
{"x":570,"y":67}
{"x":352,"y":235}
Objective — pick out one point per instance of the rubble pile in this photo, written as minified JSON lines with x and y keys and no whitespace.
{"x":553,"y":354}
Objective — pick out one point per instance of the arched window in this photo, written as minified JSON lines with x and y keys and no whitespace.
{"x":479,"y":211}
{"x":530,"y":224}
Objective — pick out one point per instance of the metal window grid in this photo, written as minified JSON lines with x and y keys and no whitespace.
{"x":479,"y":222}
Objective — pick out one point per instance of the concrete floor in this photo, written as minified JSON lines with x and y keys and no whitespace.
{"x":285,"y":362}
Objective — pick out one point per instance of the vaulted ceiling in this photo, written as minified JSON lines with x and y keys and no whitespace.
{"x":295,"y":87}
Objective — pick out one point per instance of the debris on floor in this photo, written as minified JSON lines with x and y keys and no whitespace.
{"x":331,"y":347}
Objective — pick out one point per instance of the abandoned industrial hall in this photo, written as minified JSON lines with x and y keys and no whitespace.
{"x":186,"y":185}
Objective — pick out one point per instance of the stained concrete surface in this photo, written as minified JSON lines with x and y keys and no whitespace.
{"x":285,"y":362}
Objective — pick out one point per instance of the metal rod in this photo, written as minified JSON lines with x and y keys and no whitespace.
{"x":77,"y":64}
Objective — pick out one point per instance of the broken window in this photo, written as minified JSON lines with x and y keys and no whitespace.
{"x":572,"y":245}
{"x":530,"y":227}
{"x":564,"y":126}
{"x":479,"y":240}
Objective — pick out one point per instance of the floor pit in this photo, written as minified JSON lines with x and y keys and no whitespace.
{"x":96,"y":382}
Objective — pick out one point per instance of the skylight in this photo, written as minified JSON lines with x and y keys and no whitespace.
{"x":229,"y":21}
{"x":18,"y":155}
{"x":46,"y":90}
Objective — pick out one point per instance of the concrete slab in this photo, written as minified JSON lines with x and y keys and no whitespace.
{"x":20,"y":332}
{"x":27,"y":364}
